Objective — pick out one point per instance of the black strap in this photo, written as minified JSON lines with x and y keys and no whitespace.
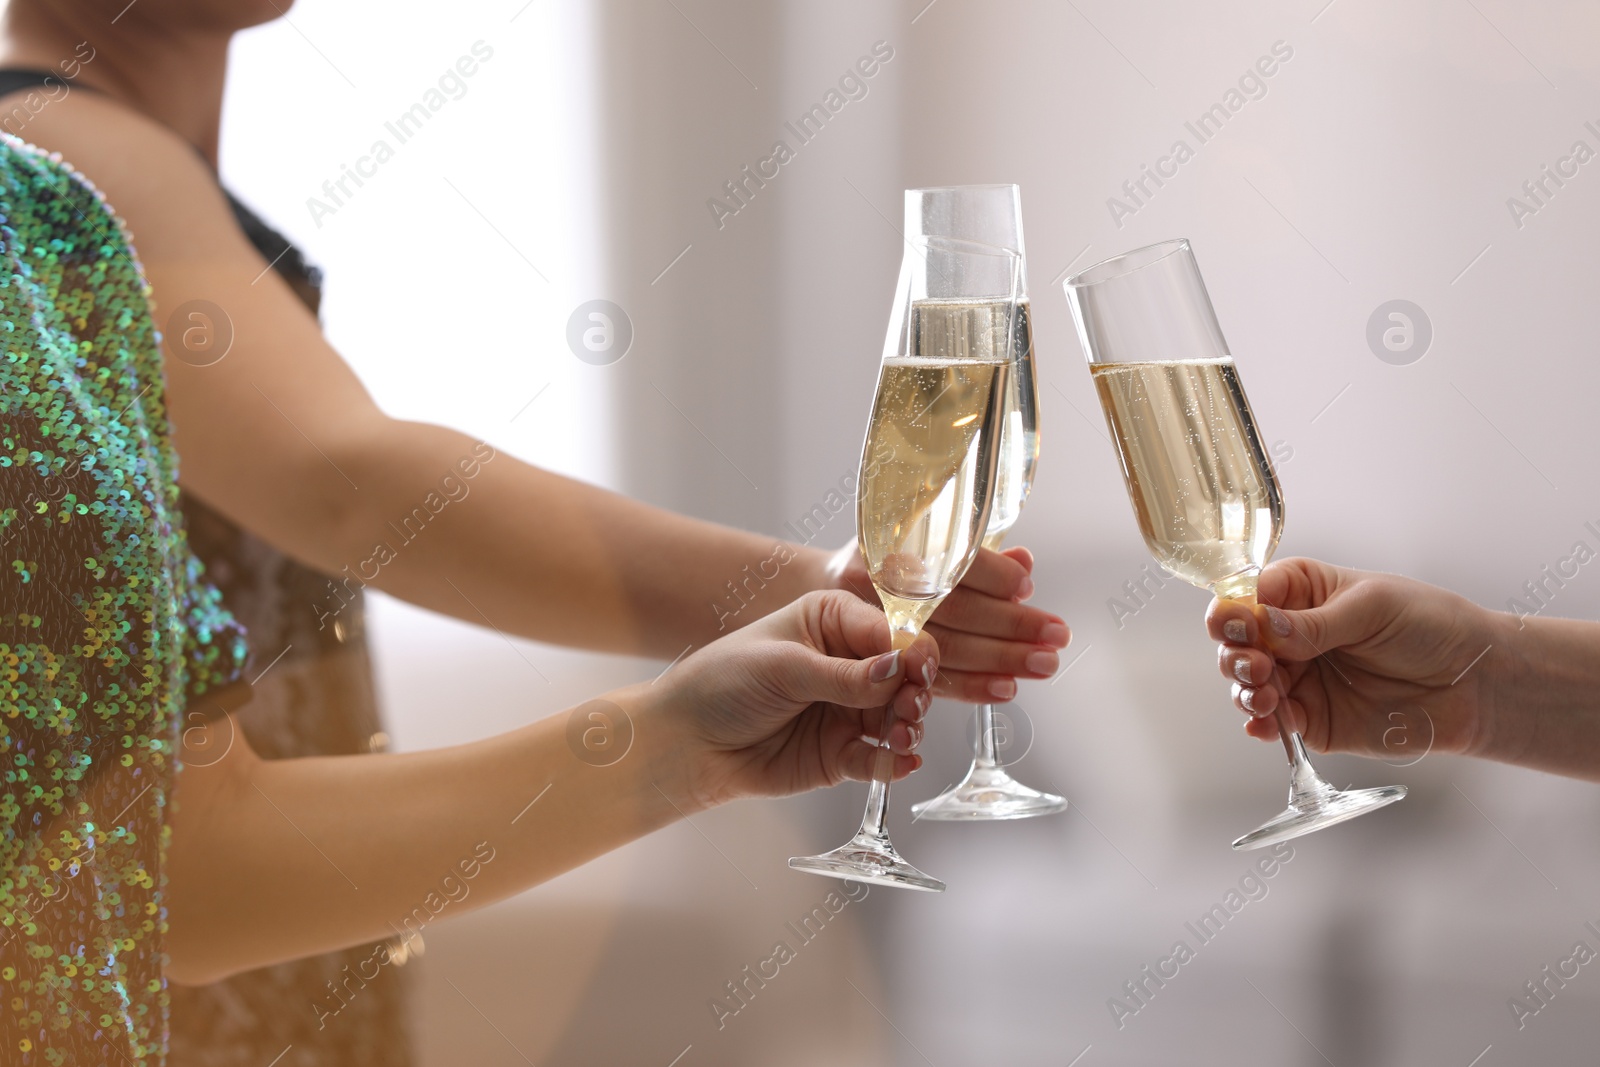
{"x":282,"y":253}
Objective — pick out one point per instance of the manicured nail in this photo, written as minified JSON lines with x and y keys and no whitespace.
{"x":1279,"y":622}
{"x":1003,"y":688}
{"x":1044,"y":663}
{"x":1025,"y":589}
{"x":1054,"y":633}
{"x":884,"y":667}
{"x":1236,"y":631}
{"x":1241,"y":669}
{"x":927,"y":673}
{"x":918,"y":765}
{"x":923,"y":700}
{"x":916,"y":734}
{"x":1247,"y":697}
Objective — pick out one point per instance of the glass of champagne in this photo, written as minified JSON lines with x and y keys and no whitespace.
{"x":1205,"y":496}
{"x":991,"y":215}
{"x":928,"y":470}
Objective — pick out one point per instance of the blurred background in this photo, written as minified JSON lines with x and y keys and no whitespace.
{"x":1376,"y":164}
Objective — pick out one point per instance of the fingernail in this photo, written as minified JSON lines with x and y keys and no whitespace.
{"x":1003,"y":688}
{"x":916,"y":734}
{"x":1055,"y":633}
{"x":924,"y":699}
{"x":1279,"y":622}
{"x":1236,"y":631}
{"x":1241,"y":669}
{"x":1042,"y":662}
{"x":884,"y":667}
{"x":918,"y":767}
{"x":1247,"y":697}
{"x":1025,"y":589}
{"x":928,"y":673}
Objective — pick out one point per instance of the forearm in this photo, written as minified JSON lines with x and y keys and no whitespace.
{"x":276,"y":859}
{"x":1544,"y":709}
{"x":547,"y":557}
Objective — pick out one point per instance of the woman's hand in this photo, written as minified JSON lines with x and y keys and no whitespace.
{"x":987,"y":637}
{"x":782,"y":706}
{"x":1374,"y":664}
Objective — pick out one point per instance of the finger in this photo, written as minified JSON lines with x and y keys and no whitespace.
{"x":1255,"y":700}
{"x":1021,"y":555}
{"x":912,"y":703}
{"x":1302,"y":613}
{"x":857,"y":758}
{"x":1243,"y":664}
{"x":904,"y":736}
{"x":1262,"y":729}
{"x":1233,"y":622}
{"x":999,"y":575}
{"x":842,"y":625}
{"x":975,"y":687}
{"x":859,"y":683}
{"x":1007,"y":620}
{"x":910,"y":706}
{"x":960,"y":650}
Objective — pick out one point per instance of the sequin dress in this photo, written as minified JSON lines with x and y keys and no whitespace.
{"x":108,"y":629}
{"x":313,"y":696}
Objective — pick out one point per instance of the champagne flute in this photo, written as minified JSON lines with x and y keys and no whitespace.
{"x":928,"y":470}
{"x":1204,"y":493}
{"x":991,"y":214}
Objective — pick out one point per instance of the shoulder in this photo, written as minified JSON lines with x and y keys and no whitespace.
{"x":153,"y":179}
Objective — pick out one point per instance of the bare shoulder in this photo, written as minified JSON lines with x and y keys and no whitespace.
{"x":163,"y":189}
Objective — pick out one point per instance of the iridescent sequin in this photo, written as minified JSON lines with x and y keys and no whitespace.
{"x":107,"y":628}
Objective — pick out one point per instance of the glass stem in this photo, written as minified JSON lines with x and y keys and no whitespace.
{"x":1304,"y":781}
{"x":984,"y":754}
{"x":873,"y":820}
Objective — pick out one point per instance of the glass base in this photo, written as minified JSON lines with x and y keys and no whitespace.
{"x":1317,"y":809}
{"x":868,"y":859}
{"x":988,"y":793}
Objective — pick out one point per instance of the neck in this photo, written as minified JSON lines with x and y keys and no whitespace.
{"x":172,"y":75}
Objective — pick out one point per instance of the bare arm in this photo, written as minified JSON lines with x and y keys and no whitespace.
{"x":275,"y":859}
{"x":1383,"y":665}
{"x":281,"y":437}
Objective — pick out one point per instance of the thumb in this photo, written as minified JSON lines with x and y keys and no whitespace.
{"x":1307,"y":634}
{"x":863,"y":683}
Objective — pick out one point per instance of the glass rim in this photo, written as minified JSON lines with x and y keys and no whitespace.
{"x":958,"y":188}
{"x":1121,"y":266}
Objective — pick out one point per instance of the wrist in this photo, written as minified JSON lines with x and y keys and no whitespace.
{"x":1505,"y":671}
{"x":669,"y":760}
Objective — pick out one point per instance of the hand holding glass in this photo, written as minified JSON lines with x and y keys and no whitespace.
{"x":991,"y":215}
{"x":928,"y":476}
{"x":1205,"y":496}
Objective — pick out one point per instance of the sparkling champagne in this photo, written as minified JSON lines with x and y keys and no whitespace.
{"x":928,"y":468}
{"x":1203,"y":491}
{"x":1019,"y":436}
